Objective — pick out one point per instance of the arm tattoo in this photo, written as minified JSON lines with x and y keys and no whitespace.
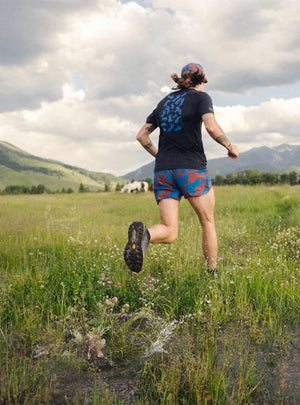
{"x":150,"y":128}
{"x":207,"y":119}
{"x":222,"y":140}
{"x":148,"y":146}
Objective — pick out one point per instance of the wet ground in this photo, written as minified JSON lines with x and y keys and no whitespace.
{"x":114,"y":387}
{"x":280,"y":383}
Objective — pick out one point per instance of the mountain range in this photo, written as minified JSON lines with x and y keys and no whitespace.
{"x":21,"y":168}
{"x":280,"y":159}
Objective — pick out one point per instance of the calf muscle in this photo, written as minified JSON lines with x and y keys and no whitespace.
{"x":204,"y":208}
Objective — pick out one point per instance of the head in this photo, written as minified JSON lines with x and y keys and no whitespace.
{"x":192,"y":74}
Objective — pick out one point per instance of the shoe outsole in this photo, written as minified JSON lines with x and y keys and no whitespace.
{"x":213,"y":272}
{"x":133,"y":252}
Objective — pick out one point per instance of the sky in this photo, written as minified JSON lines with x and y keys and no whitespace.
{"x":79,"y":77}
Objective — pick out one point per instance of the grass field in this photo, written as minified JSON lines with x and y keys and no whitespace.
{"x":78,"y":328}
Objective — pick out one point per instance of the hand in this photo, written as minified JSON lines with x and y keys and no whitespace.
{"x":233,"y":152}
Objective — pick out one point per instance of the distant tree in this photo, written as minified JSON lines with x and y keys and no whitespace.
{"x":293,"y":177}
{"x":83,"y":189}
{"x":252,"y":176}
{"x":218,"y":180}
{"x":149,"y":180}
{"x":270,"y":178}
{"x":242,"y":178}
{"x":16,"y":189}
{"x":118,"y":187}
{"x":230,"y":179}
{"x":107,"y":187}
{"x":284,"y":178}
{"x":40,"y":189}
{"x":70,"y":190}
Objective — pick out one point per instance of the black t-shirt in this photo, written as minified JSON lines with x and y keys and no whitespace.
{"x":179,"y":117}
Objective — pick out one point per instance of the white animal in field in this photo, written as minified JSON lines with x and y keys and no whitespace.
{"x":135,"y":186}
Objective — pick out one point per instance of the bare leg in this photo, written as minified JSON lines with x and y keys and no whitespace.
{"x":204,"y":208}
{"x":167,"y":230}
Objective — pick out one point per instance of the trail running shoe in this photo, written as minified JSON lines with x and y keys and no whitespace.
{"x":213,"y":272}
{"x":138,"y":240}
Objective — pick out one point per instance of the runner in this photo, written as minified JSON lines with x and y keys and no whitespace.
{"x":180,"y":166}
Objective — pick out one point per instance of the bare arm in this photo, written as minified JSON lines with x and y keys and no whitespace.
{"x":143,"y":137}
{"x":217,"y":133}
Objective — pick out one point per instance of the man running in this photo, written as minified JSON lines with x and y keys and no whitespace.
{"x":180,"y":166}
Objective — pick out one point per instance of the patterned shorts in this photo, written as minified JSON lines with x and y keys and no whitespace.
{"x":176,"y":183}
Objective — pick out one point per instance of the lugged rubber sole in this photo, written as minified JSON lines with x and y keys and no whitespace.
{"x":133,"y":252}
{"x":213,"y":272}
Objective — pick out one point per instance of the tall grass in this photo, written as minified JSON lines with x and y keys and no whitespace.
{"x":61,"y":260}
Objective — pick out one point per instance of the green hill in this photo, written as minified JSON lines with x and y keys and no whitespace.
{"x":21,"y":168}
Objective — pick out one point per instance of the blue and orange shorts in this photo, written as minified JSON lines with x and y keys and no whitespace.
{"x":175,"y":183}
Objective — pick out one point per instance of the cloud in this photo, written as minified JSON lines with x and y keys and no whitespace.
{"x":270,"y":123}
{"x":244,"y":44}
{"x":34,"y":49}
{"x":32,"y":27}
{"x":276,"y":115}
{"x":122,"y":44}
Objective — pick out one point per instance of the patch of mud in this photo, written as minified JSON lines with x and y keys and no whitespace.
{"x":115,"y":379}
{"x":281,"y":384}
{"x":276,"y":363}
{"x":112,"y":387}
{"x":110,"y":373}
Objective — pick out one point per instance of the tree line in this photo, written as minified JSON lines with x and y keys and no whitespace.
{"x":246,"y":177}
{"x":39,"y":189}
{"x":42,"y":189}
{"x":253,"y":177}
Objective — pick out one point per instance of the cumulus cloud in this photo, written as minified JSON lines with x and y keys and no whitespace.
{"x":78,"y":78}
{"x":269,"y":123}
{"x":244,"y":44}
{"x":276,"y":115}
